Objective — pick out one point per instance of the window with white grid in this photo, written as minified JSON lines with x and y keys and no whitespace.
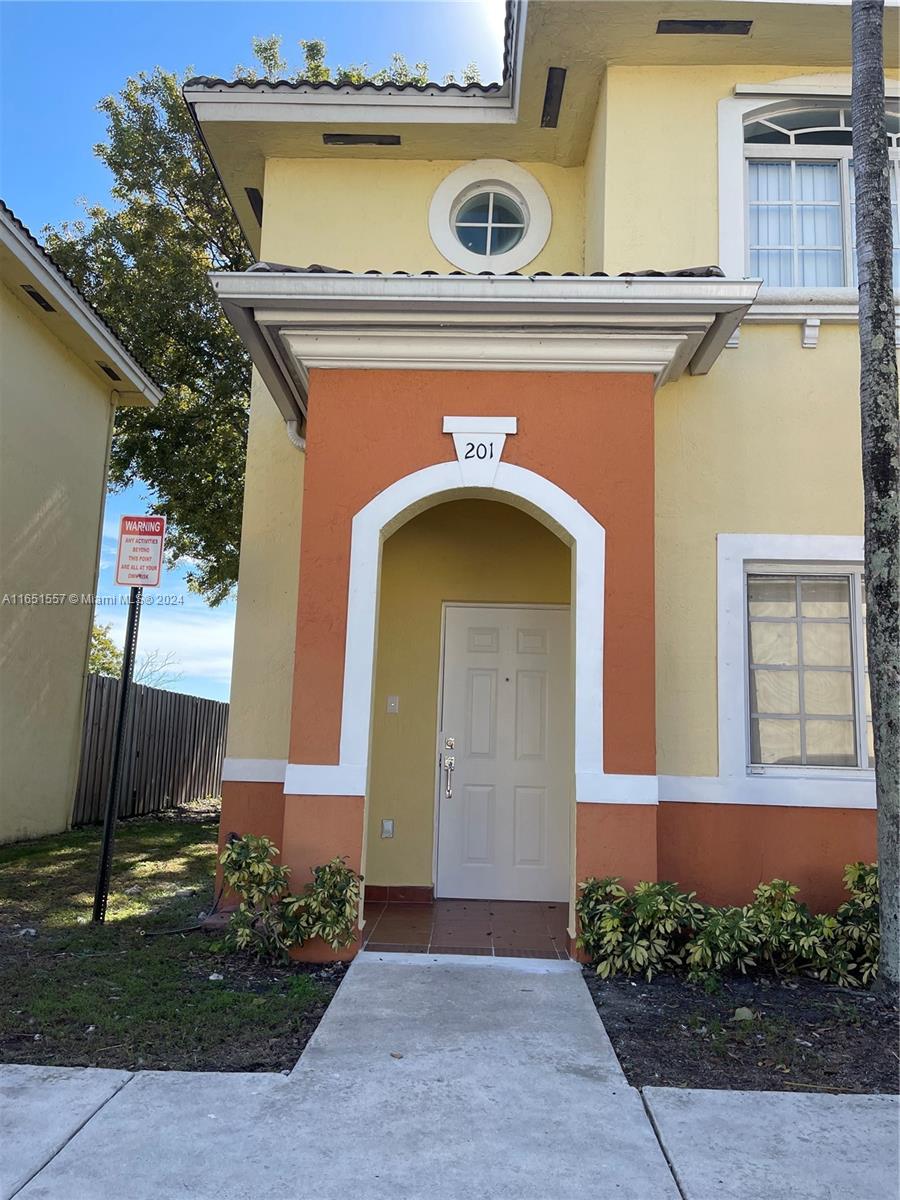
{"x":808,"y":695}
{"x":800,"y":195}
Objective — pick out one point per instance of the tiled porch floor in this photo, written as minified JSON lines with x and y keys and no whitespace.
{"x":503,"y":928}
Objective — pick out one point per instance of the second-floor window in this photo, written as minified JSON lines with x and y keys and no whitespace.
{"x":800,"y":195}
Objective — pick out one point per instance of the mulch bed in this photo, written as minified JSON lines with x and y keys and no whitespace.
{"x":803,"y":1036}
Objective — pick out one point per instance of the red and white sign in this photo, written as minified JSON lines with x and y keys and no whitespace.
{"x":139,"y":561}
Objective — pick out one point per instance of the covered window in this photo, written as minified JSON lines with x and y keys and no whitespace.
{"x":808,"y":694}
{"x":800,"y":195}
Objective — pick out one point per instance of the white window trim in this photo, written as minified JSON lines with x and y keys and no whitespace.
{"x":818,"y":787}
{"x":852,"y":571}
{"x":490,"y":174}
{"x":773,"y":304}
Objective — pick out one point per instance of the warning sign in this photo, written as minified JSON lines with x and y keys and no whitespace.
{"x":139,"y":561}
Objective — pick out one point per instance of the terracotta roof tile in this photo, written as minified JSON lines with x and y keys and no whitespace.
{"x":213,"y":83}
{"x":709,"y":272}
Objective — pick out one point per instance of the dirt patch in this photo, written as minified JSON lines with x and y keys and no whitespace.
{"x":801,"y":1035}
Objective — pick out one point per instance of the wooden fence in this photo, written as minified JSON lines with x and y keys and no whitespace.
{"x":177,"y":741}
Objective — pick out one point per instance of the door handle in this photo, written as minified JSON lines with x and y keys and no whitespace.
{"x":449,"y":766}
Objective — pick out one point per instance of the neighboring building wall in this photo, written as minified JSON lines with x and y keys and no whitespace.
{"x":368,"y":214}
{"x":466,"y":550}
{"x":55,"y":426}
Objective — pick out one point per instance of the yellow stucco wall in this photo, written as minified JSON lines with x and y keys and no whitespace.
{"x":359,"y":215}
{"x":768,"y":442}
{"x":652,"y":199}
{"x":265,"y":625}
{"x":466,"y":550}
{"x":55,"y":425}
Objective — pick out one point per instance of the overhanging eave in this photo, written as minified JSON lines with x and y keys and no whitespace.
{"x":292,"y":322}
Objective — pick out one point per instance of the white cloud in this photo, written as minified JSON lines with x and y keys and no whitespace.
{"x":200,"y":638}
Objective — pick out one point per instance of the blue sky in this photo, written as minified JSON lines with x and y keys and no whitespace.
{"x":59,"y":57}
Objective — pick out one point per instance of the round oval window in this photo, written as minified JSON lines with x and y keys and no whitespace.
{"x":489,"y":223}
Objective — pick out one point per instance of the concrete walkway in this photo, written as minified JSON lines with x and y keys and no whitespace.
{"x":441,"y":1078}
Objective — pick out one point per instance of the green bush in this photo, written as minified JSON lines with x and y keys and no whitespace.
{"x":269,"y":921}
{"x":724,"y":940}
{"x":787,"y":933}
{"x":643,"y":930}
{"x":855,"y":939}
{"x":655,"y":927}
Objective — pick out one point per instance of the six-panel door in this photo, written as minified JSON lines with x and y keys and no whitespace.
{"x":504,"y":810}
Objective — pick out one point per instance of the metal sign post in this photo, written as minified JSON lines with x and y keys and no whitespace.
{"x":138,"y":564}
{"x":101,"y":891}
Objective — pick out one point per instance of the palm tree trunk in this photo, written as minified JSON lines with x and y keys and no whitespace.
{"x":880,"y":455}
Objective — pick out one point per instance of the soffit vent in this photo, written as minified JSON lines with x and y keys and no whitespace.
{"x":738,"y":28}
{"x":361,"y":139}
{"x":254,"y":196}
{"x":556,"y":81}
{"x":36,"y":296}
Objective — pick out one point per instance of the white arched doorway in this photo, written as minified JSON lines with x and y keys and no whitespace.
{"x":387,"y":512}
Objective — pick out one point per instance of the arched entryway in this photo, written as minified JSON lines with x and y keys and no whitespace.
{"x":470,"y":788}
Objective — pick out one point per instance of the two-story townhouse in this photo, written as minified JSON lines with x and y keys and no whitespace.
{"x":552,"y":535}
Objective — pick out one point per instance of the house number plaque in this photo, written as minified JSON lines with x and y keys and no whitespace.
{"x":479,"y":443}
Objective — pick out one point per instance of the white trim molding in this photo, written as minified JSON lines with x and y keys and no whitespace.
{"x":486,"y":175}
{"x":775,"y":305}
{"x":253,"y":770}
{"x":481,"y":424}
{"x":341,"y":779}
{"x":292,"y":321}
{"x":565,"y":517}
{"x":805,"y":787}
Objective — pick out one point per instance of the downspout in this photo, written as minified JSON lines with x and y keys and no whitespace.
{"x":293,"y":432}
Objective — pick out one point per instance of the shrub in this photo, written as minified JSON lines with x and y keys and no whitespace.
{"x":856,"y":934}
{"x":330,"y":905}
{"x":724,"y":939}
{"x":258,"y":925}
{"x":269,"y":921}
{"x":655,"y":926}
{"x":788,"y":935}
{"x":643,"y":930}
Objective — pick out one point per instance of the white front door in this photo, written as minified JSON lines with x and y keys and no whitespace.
{"x":504,"y":809}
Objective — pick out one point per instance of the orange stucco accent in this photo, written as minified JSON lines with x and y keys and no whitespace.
{"x":615,"y":839}
{"x":316,"y":829}
{"x":722,"y":851}
{"x":256,"y":808}
{"x":590,"y":434}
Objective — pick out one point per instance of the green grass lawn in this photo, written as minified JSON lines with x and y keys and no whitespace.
{"x":130,"y":993}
